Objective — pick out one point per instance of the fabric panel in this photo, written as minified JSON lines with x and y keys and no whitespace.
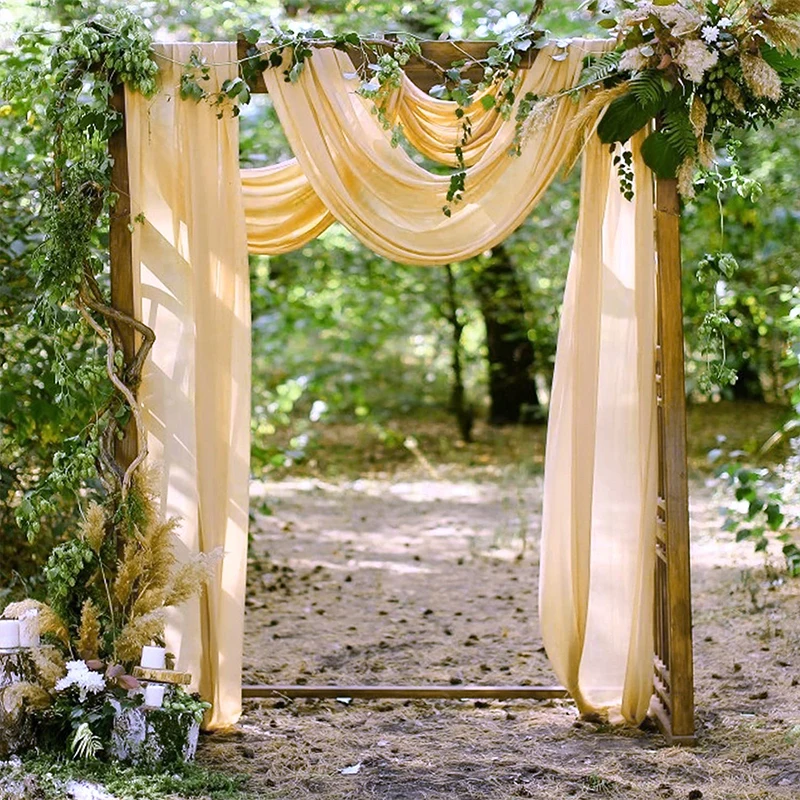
{"x":192,"y":285}
{"x":599,"y":516}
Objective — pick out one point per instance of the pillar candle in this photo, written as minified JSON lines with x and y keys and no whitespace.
{"x":154,"y":657}
{"x":9,"y":634}
{"x":154,"y":695}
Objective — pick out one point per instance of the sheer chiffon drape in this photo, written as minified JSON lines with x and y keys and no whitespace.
{"x":192,"y":284}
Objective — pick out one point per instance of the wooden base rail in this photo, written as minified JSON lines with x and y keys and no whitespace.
{"x":409,"y":692}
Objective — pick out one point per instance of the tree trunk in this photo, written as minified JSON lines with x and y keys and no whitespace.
{"x":512,"y":387}
{"x":459,"y":403}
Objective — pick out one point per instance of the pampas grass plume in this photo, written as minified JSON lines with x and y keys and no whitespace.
{"x":190,"y":578}
{"x":89,"y":632}
{"x":93,"y":527}
{"x":136,"y":634}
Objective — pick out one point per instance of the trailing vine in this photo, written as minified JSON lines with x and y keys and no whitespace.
{"x":84,"y":69}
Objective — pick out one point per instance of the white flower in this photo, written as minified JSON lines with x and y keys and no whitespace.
{"x":632,"y":60}
{"x":682,"y":20}
{"x":725,"y":22}
{"x":710,"y":34}
{"x":79,"y":675}
{"x":695,"y":59}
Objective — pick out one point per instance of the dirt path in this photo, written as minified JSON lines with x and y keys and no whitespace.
{"x":416,"y":579}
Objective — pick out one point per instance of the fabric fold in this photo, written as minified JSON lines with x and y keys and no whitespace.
{"x":389,"y":202}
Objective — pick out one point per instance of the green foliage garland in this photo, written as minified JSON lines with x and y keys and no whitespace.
{"x":71,"y":95}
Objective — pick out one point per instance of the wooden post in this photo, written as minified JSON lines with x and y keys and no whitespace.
{"x":673,"y":580}
{"x":120,"y":242}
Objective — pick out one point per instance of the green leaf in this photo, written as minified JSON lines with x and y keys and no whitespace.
{"x":596,"y":70}
{"x":775,"y":516}
{"x":745,"y":493}
{"x":677,"y":127}
{"x":743,"y":533}
{"x":648,"y":89}
{"x":659,"y":154}
{"x":488,"y":101}
{"x":754,"y":507}
{"x":607,"y":23}
{"x":251,"y":35}
{"x":622,"y":119}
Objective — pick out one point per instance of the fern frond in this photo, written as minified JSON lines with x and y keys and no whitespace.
{"x":85,"y":745}
{"x":646,"y":87}
{"x":599,"y":69}
{"x":678,"y":131}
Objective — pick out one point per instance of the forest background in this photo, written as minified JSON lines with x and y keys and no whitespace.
{"x":342,"y":337}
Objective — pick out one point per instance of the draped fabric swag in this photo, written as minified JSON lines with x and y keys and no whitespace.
{"x":596,"y":592}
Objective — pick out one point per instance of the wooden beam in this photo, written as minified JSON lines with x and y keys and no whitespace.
{"x":673,"y":453}
{"x":444,"y":53}
{"x":120,"y":246}
{"x":407,"y":692}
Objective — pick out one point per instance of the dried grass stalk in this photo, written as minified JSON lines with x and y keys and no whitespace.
{"x":762,"y":79}
{"x":585,"y":120}
{"x":590,"y":113}
{"x":783,"y":33}
{"x":785,"y":8}
{"x":698,"y":116}
{"x":706,"y":153}
{"x":49,"y":622}
{"x":89,"y":632}
{"x":93,"y":527}
{"x":686,"y":178}
{"x":137,"y":633}
{"x":539,"y":118}
{"x":129,"y":569}
{"x":149,"y":600}
{"x":190,"y":578}
{"x":733,"y":94}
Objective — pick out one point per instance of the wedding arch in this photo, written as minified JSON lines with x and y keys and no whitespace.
{"x":615,"y":599}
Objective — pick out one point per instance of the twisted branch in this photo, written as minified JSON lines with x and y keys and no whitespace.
{"x":124,"y":390}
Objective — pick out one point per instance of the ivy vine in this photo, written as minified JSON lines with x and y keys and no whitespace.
{"x":84,"y":69}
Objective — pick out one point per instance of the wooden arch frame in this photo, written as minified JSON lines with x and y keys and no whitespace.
{"x":673,"y":698}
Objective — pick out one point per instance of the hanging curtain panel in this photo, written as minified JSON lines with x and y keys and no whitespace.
{"x":192,"y":281}
{"x":598,"y":526}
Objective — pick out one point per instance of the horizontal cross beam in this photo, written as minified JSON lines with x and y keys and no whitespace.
{"x":444,"y":53}
{"x":408,"y":692}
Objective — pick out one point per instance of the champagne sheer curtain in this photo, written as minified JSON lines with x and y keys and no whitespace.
{"x":596,"y":594}
{"x":192,"y":284}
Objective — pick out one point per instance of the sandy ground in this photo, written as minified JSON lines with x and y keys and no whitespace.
{"x":417,"y":577}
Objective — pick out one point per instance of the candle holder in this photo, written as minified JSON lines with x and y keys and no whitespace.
{"x":158,"y":730}
{"x":16,"y":726}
